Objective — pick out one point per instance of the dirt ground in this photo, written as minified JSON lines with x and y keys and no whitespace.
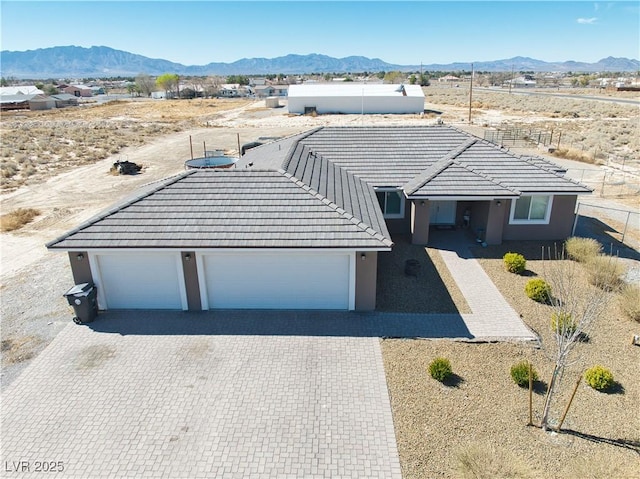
{"x":33,"y":280}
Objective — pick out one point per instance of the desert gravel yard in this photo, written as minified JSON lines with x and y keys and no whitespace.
{"x":480,"y":418}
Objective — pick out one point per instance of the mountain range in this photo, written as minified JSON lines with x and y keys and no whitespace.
{"x":101,"y":61}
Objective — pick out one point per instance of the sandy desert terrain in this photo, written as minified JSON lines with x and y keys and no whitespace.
{"x":58,"y":163}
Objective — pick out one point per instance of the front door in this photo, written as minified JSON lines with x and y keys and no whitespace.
{"x":442,"y":212}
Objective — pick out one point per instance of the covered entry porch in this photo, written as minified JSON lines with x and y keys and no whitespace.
{"x":482,"y":218}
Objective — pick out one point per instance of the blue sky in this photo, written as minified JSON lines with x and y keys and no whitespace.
{"x":407,"y":33}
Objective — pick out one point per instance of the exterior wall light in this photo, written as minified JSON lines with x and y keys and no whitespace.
{"x":187,"y":257}
{"x":363,"y":256}
{"x":498,"y":203}
{"x":80,"y":257}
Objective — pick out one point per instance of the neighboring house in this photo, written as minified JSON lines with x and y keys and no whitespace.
{"x":355,"y":98}
{"x":271,"y":90}
{"x":78,"y":90}
{"x":526,"y":81}
{"x":20,"y":90}
{"x":299,"y":222}
{"x":26,"y":102}
{"x":15,"y":102}
{"x":231,"y":90}
{"x":449,"y":79}
{"x":64,"y":100}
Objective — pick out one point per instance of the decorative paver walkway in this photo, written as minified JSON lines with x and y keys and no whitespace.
{"x":491,"y":317}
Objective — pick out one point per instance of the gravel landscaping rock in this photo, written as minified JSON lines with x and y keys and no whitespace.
{"x":484,"y":407}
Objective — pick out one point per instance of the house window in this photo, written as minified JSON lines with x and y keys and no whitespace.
{"x":531,"y":210}
{"x":391,"y":202}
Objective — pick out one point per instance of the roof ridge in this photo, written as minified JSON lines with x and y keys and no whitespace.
{"x":436,"y":168}
{"x":119,"y":206}
{"x":292,"y":149}
{"x":337,"y":208}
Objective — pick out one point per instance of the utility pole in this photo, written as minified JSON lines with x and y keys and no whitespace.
{"x":511,"y":81}
{"x":470,"y":93}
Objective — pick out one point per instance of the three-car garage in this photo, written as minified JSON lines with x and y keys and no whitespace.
{"x":226,"y":280}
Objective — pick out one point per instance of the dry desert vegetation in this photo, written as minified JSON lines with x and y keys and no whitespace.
{"x":57,"y":163}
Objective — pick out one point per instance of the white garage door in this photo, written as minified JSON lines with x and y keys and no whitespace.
{"x":140,"y":281}
{"x":277,"y":281}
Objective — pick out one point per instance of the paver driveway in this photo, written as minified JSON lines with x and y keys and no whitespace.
{"x":104,"y":404}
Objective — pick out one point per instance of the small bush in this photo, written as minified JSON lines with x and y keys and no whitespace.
{"x":17,"y":218}
{"x":520,"y":373}
{"x":630,"y":301}
{"x":582,"y":249}
{"x":563,"y":324}
{"x":538,"y":290}
{"x":440,"y":369}
{"x":605,"y":272}
{"x":599,"y":378}
{"x":514,"y":262}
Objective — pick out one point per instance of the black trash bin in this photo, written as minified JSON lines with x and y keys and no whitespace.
{"x":83,"y":298}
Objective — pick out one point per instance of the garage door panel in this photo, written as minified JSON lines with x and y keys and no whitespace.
{"x":273,"y":281}
{"x":149,"y":281}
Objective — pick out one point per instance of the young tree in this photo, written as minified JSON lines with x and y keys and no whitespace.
{"x":393,"y":77}
{"x":575,"y":309}
{"x":50,"y":89}
{"x":424,"y":80}
{"x":144,"y":84}
{"x":168,"y":82}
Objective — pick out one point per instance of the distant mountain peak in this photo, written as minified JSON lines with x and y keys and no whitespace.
{"x":84,"y":62}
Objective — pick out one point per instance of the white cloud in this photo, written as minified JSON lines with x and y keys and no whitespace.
{"x":587,"y":21}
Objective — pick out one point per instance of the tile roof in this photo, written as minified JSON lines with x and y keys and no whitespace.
{"x":397,"y":156}
{"x":231,"y":209}
{"x":316,"y":189}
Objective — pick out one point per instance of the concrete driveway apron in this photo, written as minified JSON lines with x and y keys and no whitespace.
{"x":104,"y":404}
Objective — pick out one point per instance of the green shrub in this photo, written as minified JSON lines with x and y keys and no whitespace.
{"x":599,"y":378}
{"x":605,"y":272}
{"x":520,"y":373}
{"x":538,"y":290}
{"x":582,"y":249}
{"x":440,"y":369}
{"x":630,"y":301}
{"x":562,"y":323}
{"x":514,"y":262}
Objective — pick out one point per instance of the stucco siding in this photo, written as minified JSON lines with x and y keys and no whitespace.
{"x":559,"y":227}
{"x":192,"y":285}
{"x":366,"y":275}
{"x":80,"y":267}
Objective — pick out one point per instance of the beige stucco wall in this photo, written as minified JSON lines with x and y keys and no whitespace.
{"x":366,"y":276}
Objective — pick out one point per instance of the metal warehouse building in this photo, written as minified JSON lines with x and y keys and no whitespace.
{"x":355,"y":98}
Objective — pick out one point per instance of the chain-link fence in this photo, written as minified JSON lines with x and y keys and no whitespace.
{"x":608,"y":225}
{"x":610,"y":183}
{"x":519,"y":137}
